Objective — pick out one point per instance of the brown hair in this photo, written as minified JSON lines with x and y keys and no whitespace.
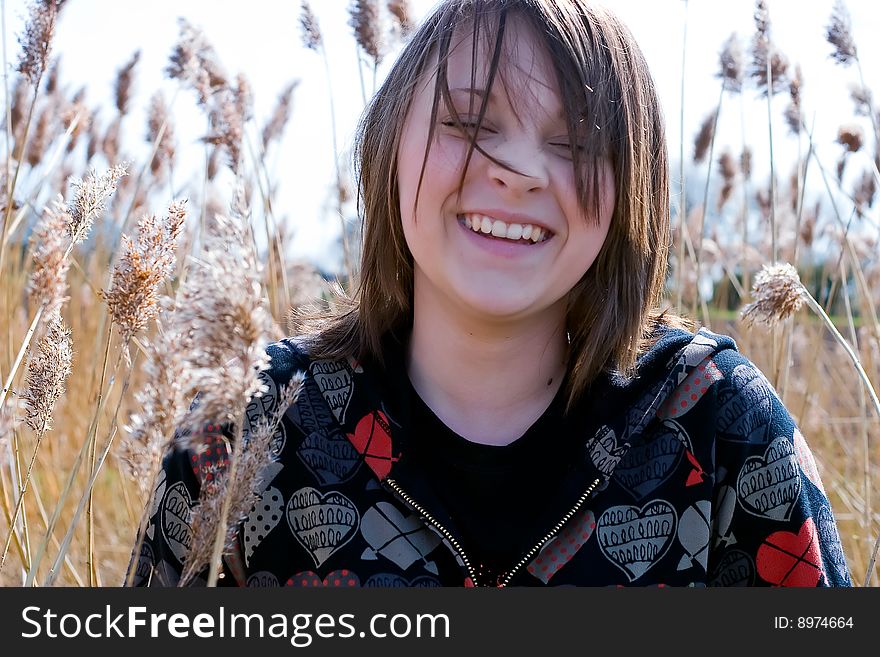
{"x":612,"y":111}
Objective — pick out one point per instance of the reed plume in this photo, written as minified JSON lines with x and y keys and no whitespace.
{"x":365,"y":20}
{"x":839,"y":34}
{"x":18,"y":105}
{"x":238,"y":487}
{"x":47,"y":285}
{"x":794,"y":183}
{"x":90,"y":200}
{"x":309,"y":28}
{"x":42,"y":135}
{"x":745,"y":162}
{"x":400,"y":11}
{"x":110,"y":141}
{"x":864,"y":191}
{"x":861,"y":98}
{"x":160,"y":401}
{"x":76,"y":108}
{"x":851,"y":137}
{"x":36,"y":42}
{"x":793,"y":110}
{"x":124,"y":79}
{"x":194,"y":61}
{"x":274,"y":128}
{"x":777,"y":292}
{"x":221,"y":306}
{"x":212,"y":168}
{"x":229,"y":110}
{"x":704,"y":137}
{"x":808,"y":227}
{"x":51,"y":84}
{"x":159,"y":123}
{"x":731,"y":64}
{"x":769,"y":65}
{"x":146,"y":262}
{"x":47,"y":373}
{"x":728,"y":168}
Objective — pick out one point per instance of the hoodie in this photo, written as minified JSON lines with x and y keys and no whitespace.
{"x":689,"y":473}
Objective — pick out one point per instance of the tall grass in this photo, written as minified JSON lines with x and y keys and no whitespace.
{"x":103,"y":258}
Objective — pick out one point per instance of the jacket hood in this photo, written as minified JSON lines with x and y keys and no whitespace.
{"x":659,"y":371}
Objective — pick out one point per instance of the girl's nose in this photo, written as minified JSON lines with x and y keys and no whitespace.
{"x":529,"y":164}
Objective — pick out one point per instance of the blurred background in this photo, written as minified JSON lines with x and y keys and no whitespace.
{"x":682,"y":41}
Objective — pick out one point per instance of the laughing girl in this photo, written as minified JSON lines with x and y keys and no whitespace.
{"x":502,"y":402}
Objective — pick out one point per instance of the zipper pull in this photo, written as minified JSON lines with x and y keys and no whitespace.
{"x":488,"y":576}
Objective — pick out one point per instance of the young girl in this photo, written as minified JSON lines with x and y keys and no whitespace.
{"x":502,"y":403}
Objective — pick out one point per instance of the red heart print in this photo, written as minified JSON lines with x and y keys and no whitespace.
{"x":788,"y":559}
{"x":559,"y":551}
{"x":210,"y":455}
{"x":696,"y":475}
{"x":337,"y":579}
{"x":372,"y":440}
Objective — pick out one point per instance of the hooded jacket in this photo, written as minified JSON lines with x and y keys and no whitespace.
{"x":690,"y":473}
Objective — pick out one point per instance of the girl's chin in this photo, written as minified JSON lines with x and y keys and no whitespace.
{"x":498,"y":304}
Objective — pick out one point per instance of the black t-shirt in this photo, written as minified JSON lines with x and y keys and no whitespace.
{"x":493,"y":493}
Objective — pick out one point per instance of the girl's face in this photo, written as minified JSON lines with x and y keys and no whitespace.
{"x":515,"y":243}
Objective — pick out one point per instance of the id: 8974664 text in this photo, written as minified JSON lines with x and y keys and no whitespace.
{"x":812,"y":622}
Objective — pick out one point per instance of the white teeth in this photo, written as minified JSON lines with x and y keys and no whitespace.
{"x":497,"y":228}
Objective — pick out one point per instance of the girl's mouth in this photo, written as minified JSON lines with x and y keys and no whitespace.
{"x":495,"y":229}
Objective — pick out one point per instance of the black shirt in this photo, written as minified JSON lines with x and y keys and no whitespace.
{"x":493,"y":493}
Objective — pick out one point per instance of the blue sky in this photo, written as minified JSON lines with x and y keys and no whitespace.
{"x":261,"y":39}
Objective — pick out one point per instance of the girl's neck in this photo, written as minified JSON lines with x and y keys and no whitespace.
{"x":487,"y":382}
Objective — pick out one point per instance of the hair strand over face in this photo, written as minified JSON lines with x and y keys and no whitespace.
{"x":612,"y":112}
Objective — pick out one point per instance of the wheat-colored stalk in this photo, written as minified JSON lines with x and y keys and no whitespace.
{"x":232,"y":493}
{"x":222,"y":307}
{"x":50,"y":264}
{"x":778,"y":293}
{"x":132,"y":301}
{"x":162,"y":406}
{"x":146,"y":263}
{"x":47,"y":375}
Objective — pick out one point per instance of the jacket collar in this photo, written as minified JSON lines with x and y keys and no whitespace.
{"x":659,"y":371}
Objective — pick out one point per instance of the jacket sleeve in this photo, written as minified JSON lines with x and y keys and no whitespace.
{"x":168,"y":537}
{"x":167,"y":542}
{"x":772,"y":522}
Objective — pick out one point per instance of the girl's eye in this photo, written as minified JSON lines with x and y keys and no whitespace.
{"x":466,"y":125}
{"x":578,"y":147}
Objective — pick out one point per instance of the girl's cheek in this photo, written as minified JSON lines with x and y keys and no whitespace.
{"x":448,"y":154}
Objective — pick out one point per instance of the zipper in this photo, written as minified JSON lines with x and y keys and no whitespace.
{"x":427,"y":516}
{"x":502,"y":580}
